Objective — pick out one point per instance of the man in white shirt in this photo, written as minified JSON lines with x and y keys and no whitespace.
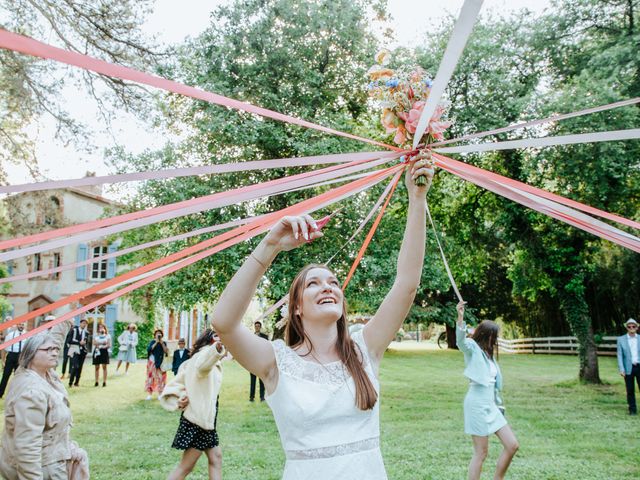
{"x":13,"y":353}
{"x":629,"y":362}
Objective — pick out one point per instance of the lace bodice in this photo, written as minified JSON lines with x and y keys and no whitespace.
{"x":315,"y":411}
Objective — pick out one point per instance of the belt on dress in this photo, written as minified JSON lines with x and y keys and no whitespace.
{"x":334,"y":450}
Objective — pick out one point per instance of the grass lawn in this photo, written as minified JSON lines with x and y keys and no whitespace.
{"x":566,"y":430}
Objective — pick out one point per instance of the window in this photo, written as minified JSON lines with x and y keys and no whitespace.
{"x":56,"y":264}
{"x":37,"y":262}
{"x":99,"y":269}
{"x":51,"y":214}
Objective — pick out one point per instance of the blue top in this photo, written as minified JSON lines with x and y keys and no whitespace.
{"x":476,"y":362}
{"x":624,"y":354}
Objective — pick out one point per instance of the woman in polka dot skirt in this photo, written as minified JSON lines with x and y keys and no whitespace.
{"x":195,"y":390}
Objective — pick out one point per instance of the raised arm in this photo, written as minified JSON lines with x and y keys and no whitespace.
{"x":253,"y":352}
{"x":461,"y":329}
{"x":382,"y":328}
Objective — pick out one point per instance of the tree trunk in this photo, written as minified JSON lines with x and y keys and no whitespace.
{"x":575,"y":309}
{"x":451,"y":337}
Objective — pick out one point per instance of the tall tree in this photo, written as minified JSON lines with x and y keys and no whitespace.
{"x":306,"y":59}
{"x":30,"y":88}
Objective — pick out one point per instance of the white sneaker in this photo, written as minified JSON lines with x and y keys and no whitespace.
{"x":117,"y":374}
{"x":148,"y":397}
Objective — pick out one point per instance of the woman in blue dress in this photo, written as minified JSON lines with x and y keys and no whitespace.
{"x":482,"y":406}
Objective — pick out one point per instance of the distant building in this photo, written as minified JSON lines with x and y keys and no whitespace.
{"x":34,"y":212}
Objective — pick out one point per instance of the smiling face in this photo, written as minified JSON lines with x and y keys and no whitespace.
{"x":322,"y":298}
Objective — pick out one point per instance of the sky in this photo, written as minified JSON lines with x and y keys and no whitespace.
{"x":172,"y":22}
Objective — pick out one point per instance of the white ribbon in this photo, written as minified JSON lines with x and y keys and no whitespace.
{"x":545,"y":141}
{"x":554,"y":118}
{"x":202,"y":170}
{"x":444,"y":258}
{"x":457,"y":42}
{"x":89,"y":235}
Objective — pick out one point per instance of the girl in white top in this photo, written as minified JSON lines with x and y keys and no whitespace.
{"x":322,"y":384}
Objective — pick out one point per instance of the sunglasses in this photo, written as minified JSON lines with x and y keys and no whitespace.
{"x":632,"y":326}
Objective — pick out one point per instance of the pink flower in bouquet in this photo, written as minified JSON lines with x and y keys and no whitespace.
{"x":401,"y":135}
{"x":413,"y":117}
{"x":435,"y":127}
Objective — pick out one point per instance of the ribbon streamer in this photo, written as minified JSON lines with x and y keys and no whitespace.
{"x":202,"y":170}
{"x":450,"y":162}
{"x":162,"y":241}
{"x":533,"y":123}
{"x":444,"y":258}
{"x":29,"y":46}
{"x":509,"y":189}
{"x":204,"y":248}
{"x":457,"y":42}
{"x":372,"y":231}
{"x":165,"y":212}
{"x":613,"y":135}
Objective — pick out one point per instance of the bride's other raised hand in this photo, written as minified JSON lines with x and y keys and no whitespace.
{"x":291,"y":232}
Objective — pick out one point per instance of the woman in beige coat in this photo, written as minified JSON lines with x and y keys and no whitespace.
{"x":37,"y":422}
{"x":195,"y":390}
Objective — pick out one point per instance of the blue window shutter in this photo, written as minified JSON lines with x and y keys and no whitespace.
{"x":111,"y":316}
{"x":111,"y":263}
{"x":81,"y":271}
{"x":10,"y":267}
{"x":76,"y":320}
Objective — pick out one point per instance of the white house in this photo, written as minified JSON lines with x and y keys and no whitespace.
{"x":34,"y":212}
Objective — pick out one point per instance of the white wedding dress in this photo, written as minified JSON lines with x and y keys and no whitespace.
{"x":324,"y":434}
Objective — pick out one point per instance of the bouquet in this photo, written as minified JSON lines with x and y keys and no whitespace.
{"x":402,"y":95}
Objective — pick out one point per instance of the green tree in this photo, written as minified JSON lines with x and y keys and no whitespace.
{"x":30,"y":88}
{"x":306,"y":59}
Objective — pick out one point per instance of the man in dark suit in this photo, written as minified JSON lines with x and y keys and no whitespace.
{"x":65,"y":354}
{"x":79,"y":345}
{"x":180,"y":355}
{"x":629,"y":362}
{"x":257,"y":329}
{"x":13,"y":353}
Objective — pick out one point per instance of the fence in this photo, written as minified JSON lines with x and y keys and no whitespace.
{"x":554,"y":346}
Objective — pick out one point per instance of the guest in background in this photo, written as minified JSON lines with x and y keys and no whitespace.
{"x":79,"y":345}
{"x":180,"y":355}
{"x":629,"y":362}
{"x":195,"y":390}
{"x":37,"y":417}
{"x":13,"y":353}
{"x":127,"y":341}
{"x":101,"y":352}
{"x":483,"y":411}
{"x":65,"y":353}
{"x":156,"y":377}
{"x":257,"y":330}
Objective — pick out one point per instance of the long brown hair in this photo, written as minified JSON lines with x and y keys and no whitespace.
{"x":206,"y":338}
{"x":294,"y":336}
{"x":486,"y":336}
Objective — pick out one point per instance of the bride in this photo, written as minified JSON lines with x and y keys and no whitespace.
{"x":322,"y":384}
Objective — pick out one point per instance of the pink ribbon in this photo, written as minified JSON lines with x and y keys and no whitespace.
{"x":203,"y":249}
{"x":29,"y":46}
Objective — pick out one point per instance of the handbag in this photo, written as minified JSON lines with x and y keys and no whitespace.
{"x":166,"y":365}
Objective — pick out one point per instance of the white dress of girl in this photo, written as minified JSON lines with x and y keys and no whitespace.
{"x":323,"y":433}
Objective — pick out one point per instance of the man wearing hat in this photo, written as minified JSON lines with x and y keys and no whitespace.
{"x":629,"y":362}
{"x":13,"y":353}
